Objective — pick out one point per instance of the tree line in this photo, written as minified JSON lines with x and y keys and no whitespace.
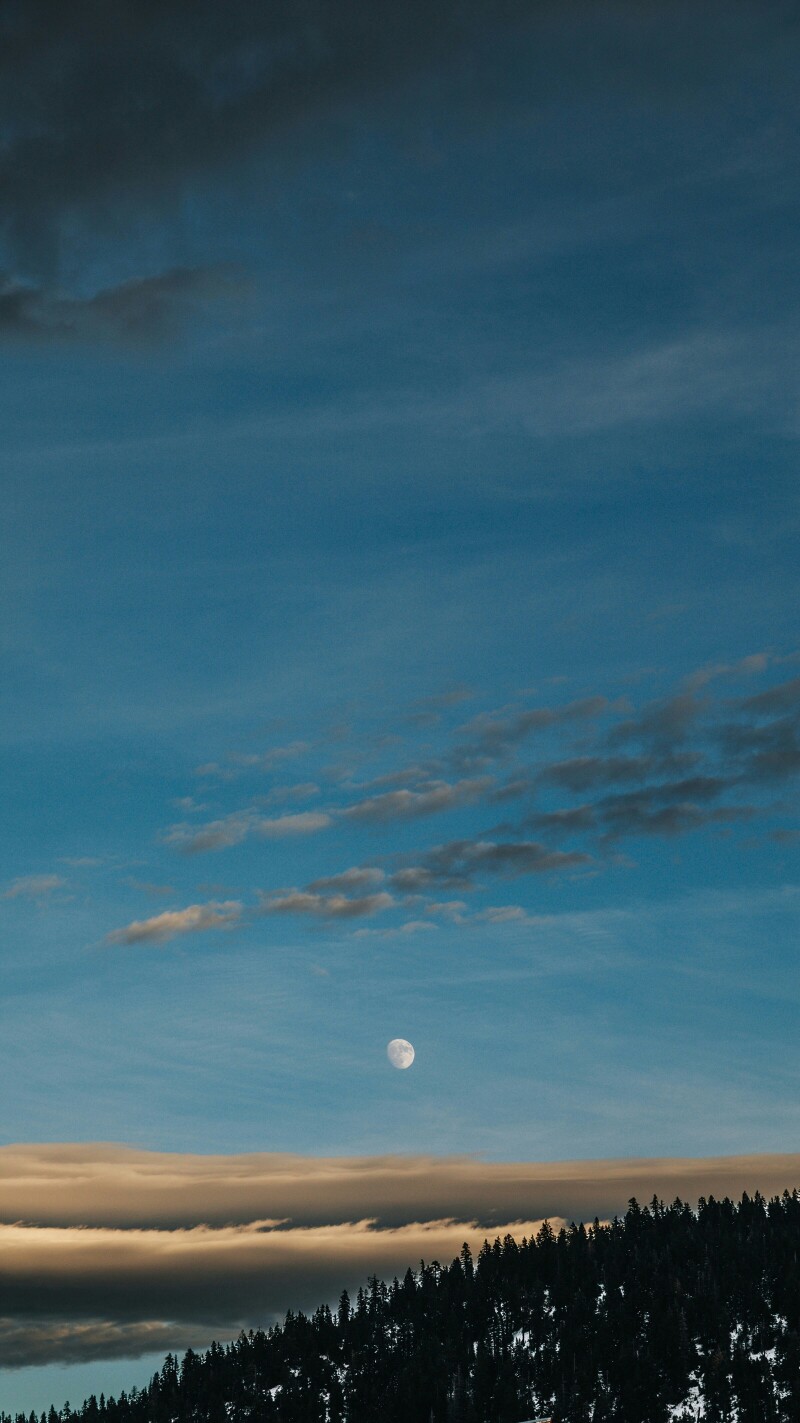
{"x":665,"y":1315}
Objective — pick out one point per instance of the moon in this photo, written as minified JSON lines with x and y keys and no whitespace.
{"x":400,"y":1053}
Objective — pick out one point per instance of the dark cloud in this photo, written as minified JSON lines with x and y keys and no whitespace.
{"x":135,"y":312}
{"x":413,"y":775}
{"x":457,"y":863}
{"x":637,"y":815}
{"x":777,"y":699}
{"x":764,"y":753}
{"x":104,"y":103}
{"x":672,"y":808}
{"x":583,"y":773}
{"x":28,"y":1343}
{"x":577,"y":819}
{"x":749,"y":666}
{"x":662,"y":725}
{"x":494,"y":735}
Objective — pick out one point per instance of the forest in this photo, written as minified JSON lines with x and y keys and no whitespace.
{"x":667,"y":1314}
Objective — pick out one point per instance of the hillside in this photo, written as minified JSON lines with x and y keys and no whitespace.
{"x":666,"y":1315}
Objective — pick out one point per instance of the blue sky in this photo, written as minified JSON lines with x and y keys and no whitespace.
{"x":400,"y":483}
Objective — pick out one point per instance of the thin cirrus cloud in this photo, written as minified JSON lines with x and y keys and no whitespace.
{"x":125,"y":1251}
{"x":194,"y":919}
{"x":33,"y":886}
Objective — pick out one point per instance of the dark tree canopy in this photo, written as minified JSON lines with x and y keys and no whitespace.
{"x":664,"y":1316}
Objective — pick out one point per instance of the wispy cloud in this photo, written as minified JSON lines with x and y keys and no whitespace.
{"x":765,"y":753}
{"x":669,"y":809}
{"x":750,"y":666}
{"x":458,"y":863}
{"x":494,"y":735}
{"x":33,"y":886}
{"x":782,"y":698}
{"x":140,"y":311}
{"x":303,"y":790}
{"x":194,"y":919}
{"x":582,"y":773}
{"x":684,"y":763}
{"x":662,"y":725}
{"x":233,"y":829}
{"x":328,"y":906}
{"x":268,"y":760}
{"x":225,"y":1277}
{"x":412,"y":805}
{"x":359,"y":877}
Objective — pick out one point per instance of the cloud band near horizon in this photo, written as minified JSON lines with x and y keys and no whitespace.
{"x":108,"y":1251}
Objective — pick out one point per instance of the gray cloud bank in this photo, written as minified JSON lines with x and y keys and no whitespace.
{"x":107,"y":1251}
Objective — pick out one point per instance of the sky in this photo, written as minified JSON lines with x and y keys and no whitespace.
{"x":399,"y":572}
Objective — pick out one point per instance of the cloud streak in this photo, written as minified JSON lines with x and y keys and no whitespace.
{"x":412,"y":805}
{"x":457,"y":863}
{"x":493,"y":736}
{"x":143,"y":310}
{"x":328,"y":906}
{"x":33,"y":886}
{"x":173,"y":923}
{"x":241,"y":825}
